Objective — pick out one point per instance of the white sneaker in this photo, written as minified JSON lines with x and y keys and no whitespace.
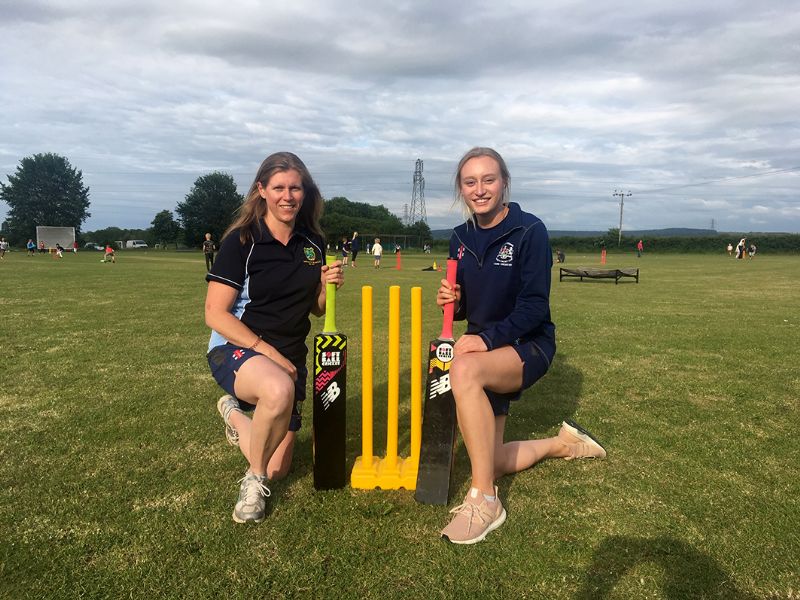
{"x":225,"y":406}
{"x":251,"y":507}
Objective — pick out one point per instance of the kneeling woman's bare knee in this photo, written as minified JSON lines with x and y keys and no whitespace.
{"x":276,"y":396}
{"x":464,"y":374}
{"x":261,"y":382}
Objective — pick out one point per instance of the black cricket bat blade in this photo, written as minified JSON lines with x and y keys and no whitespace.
{"x":439,"y":415}
{"x":330,"y":408}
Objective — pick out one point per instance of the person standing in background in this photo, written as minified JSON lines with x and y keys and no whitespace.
{"x":741,"y":248}
{"x":355,"y":248}
{"x":208,"y":251}
{"x":345,"y":251}
{"x":377,"y":250}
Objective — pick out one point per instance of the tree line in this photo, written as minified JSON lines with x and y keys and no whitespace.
{"x":47,"y":190}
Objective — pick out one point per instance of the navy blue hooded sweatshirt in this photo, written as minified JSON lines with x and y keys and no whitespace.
{"x":505,"y":291}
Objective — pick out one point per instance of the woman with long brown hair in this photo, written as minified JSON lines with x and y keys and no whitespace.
{"x":269,"y":275}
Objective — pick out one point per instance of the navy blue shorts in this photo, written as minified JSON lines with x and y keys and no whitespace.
{"x":226,"y":359}
{"x":534,"y":367}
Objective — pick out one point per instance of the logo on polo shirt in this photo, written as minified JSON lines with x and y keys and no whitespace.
{"x":311,"y":255}
{"x":506,"y":254}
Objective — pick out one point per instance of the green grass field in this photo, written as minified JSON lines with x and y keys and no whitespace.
{"x":117,"y":480}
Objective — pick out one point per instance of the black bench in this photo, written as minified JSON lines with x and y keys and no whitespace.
{"x":593,"y":273}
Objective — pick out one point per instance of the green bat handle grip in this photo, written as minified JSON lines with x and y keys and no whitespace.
{"x":330,"y":308}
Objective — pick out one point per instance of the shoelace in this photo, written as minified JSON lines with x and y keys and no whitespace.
{"x":253,"y":487}
{"x":581,"y":449}
{"x":473,"y":510}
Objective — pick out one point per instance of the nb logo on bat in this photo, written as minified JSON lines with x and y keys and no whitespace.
{"x":440,"y":386}
{"x":330,"y":394}
{"x":331,"y":359}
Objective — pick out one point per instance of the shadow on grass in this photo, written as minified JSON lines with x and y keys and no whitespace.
{"x":543,"y":406}
{"x":687,"y":572}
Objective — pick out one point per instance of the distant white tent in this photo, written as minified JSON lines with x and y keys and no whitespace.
{"x":55,"y":235}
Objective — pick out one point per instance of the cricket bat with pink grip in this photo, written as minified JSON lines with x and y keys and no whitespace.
{"x":439,"y":414}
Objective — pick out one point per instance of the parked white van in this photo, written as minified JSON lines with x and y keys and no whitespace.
{"x":136,"y":244}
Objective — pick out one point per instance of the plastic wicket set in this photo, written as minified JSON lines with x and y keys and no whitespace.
{"x":391,"y":472}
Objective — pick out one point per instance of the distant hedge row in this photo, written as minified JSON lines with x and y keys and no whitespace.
{"x":765,"y":242}
{"x":783,"y":243}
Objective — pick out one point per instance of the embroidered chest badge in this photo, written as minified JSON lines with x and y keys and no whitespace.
{"x":506,"y":254}
{"x":311,"y":256}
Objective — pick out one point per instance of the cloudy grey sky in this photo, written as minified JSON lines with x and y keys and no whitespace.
{"x":691,"y":106}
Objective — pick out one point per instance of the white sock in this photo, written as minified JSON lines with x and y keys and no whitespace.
{"x":473,"y":493}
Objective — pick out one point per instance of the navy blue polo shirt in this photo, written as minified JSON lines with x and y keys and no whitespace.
{"x":277,"y":286}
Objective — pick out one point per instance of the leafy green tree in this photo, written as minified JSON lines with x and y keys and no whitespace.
{"x":165,"y":228}
{"x":420,"y":233}
{"x":107,"y":236}
{"x":342,"y":217}
{"x":209,"y":207}
{"x":45,"y":190}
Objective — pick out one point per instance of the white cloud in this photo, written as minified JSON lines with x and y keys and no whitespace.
{"x":581,"y":98}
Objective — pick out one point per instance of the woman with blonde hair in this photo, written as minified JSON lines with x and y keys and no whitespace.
{"x":503,"y":291}
{"x":268,"y":276}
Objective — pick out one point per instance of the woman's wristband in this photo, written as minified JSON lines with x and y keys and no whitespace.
{"x":256,"y":343}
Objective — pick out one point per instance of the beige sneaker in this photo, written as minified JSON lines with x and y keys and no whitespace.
{"x":580,"y":442}
{"x":474,"y":519}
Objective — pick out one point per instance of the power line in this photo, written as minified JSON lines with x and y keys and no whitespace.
{"x":686,"y":185}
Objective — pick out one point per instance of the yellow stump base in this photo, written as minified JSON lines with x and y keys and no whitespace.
{"x":381,"y":475}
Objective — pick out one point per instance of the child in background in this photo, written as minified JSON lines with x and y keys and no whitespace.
{"x":377,"y":250}
{"x":345,"y":251}
{"x":208,"y":251}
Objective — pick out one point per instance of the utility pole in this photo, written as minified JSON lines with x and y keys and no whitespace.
{"x":621,"y":195}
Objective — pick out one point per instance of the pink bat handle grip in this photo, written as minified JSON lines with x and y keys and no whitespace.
{"x":449,"y":309}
